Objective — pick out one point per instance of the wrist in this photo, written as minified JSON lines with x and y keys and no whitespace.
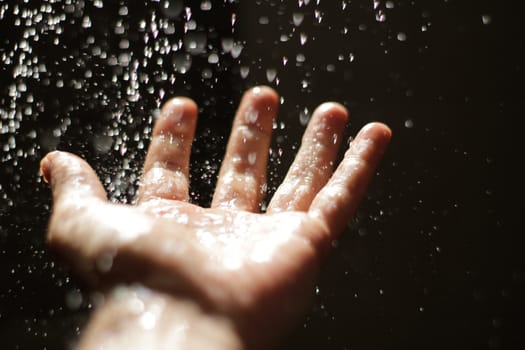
{"x":135,"y":317}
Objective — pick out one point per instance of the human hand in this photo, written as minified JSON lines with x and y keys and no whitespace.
{"x":256,"y":270}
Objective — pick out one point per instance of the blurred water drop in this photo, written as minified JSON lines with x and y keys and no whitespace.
{"x":401,"y":36}
{"x":236,"y":50}
{"x":380,"y":16}
{"x":303,"y":38}
{"x":297,"y":18}
{"x":195,"y":42}
{"x":264,"y":20}
{"x":102,"y":143}
{"x":271,"y":73}
{"x":206,"y":5}
{"x":73,"y":299}
{"x":190,"y":25}
{"x":213,"y":58}
{"x":409,"y":123}
{"x":486,"y":19}
{"x":304,"y":116}
{"x":182,"y":63}
{"x":86,"y":22}
{"x":244,"y":70}
{"x":207,"y":73}
{"x":227,"y":44}
{"x":172,"y":8}
{"x":123,"y":11}
{"x":284,"y":38}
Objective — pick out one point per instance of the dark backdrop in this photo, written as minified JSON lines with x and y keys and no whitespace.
{"x":432,"y":258}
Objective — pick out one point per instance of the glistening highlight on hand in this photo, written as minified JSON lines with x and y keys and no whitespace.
{"x":227,"y":276}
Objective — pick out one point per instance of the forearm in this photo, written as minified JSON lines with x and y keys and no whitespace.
{"x":141,"y":318}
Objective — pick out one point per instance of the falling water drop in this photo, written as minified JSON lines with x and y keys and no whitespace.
{"x":297,"y":18}
{"x":486,"y":19}
{"x":303,"y":38}
{"x":244,"y":70}
{"x":206,"y":5}
{"x":271,"y":73}
{"x":401,"y":36}
{"x":172,"y":8}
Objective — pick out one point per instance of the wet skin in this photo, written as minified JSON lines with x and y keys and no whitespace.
{"x":244,"y":275}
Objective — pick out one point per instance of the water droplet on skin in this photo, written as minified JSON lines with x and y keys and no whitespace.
{"x":148,"y":320}
{"x":252,"y":157}
{"x":251,"y":116}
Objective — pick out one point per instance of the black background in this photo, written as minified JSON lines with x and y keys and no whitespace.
{"x":433,"y":257}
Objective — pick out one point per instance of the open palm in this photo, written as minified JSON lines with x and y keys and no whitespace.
{"x":258,"y":269}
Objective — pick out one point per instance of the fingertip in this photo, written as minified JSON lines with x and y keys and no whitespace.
{"x":263,"y":97}
{"x":46,"y":164}
{"x":263,"y":90}
{"x":258,"y":108}
{"x":333,"y":110}
{"x":186,"y":104}
{"x":377,"y":131}
{"x":174,"y":112}
{"x":332,"y":114}
{"x":45,"y":171}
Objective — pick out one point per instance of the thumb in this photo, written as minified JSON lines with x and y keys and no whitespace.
{"x":71,"y":178}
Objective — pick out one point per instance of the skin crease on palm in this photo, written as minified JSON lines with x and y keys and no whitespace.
{"x":253,"y":270}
